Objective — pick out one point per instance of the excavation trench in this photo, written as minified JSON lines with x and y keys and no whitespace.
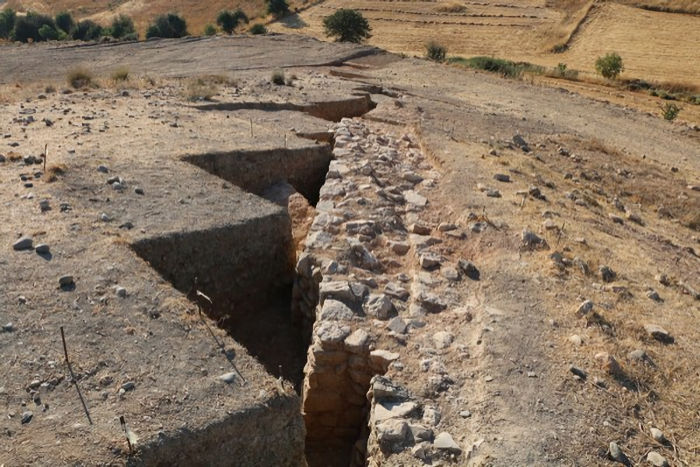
{"x":249,"y":271}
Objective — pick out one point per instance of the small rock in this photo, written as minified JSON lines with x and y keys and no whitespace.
{"x":656,"y":459}
{"x":532,"y":241}
{"x":383,"y":358}
{"x":43,"y":249}
{"x":653,"y":295}
{"x":138,"y":190}
{"x":444,"y":442}
{"x":584,"y":308}
{"x":446,"y":227}
{"x":658,"y":333}
{"x":44,"y":205}
{"x":400,"y":248}
{"x":450,"y":273}
{"x":616,"y":219}
{"x":228,"y":378}
{"x":66,"y":281}
{"x":576,"y":339}
{"x":608,"y":363}
{"x":430,"y":260}
{"x":379,"y":306}
{"x":465,"y":414}
{"x":27,"y":417}
{"x":104,"y":217}
{"x":102,"y":169}
{"x":663,"y":280}
{"x":128,"y":386}
{"x":443,"y":339}
{"x":617,"y":454}
{"x":420,"y":229}
{"x":521,"y":143}
{"x":120,"y":291}
{"x":469,"y":269}
{"x":492,"y":193}
{"x":357,"y":342}
{"x":658,"y":435}
{"x":24,"y":243}
{"x":578,"y":372}
{"x":638,"y":355}
{"x":502,"y":178}
{"x":397,"y":325}
{"x":9,"y":327}
{"x":393,"y":289}
{"x":607,"y":274}
{"x":431,"y":416}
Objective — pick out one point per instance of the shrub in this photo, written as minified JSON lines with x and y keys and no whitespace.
{"x":27,"y":27}
{"x":122,"y":26}
{"x":80,"y":78}
{"x":278,"y":78}
{"x":86,"y":30}
{"x":670,"y":111}
{"x":121,"y":74}
{"x":228,"y":20}
{"x":48,"y":33}
{"x":506,"y":68}
{"x":7,"y":22}
{"x":277,"y":7}
{"x":563,"y":71}
{"x":167,"y":26}
{"x":347,"y":26}
{"x":258,"y":29}
{"x":209,"y":30}
{"x":201,"y":89}
{"x":435,"y":52}
{"x":64,"y":21}
{"x":610,"y":65}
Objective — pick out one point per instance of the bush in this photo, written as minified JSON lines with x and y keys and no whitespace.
{"x":278,"y":78}
{"x":258,"y":29}
{"x":7,"y":22}
{"x":228,"y":20}
{"x":347,"y":26}
{"x":48,"y":33}
{"x":563,"y":71}
{"x":27,"y":27}
{"x":506,"y":68}
{"x":201,"y":89}
{"x":209,"y":30}
{"x":167,"y":26}
{"x":670,"y":111}
{"x":610,"y":65}
{"x":86,"y":31}
{"x":122,"y":26}
{"x":80,"y":78}
{"x":435,"y":52}
{"x":277,"y":7}
{"x":64,"y":21}
{"x":133,"y":36}
{"x":121,"y":74}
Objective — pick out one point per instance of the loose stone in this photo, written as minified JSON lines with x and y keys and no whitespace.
{"x":24,"y":243}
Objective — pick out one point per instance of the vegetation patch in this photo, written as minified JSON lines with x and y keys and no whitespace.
{"x":501,"y":66}
{"x":168,"y":26}
{"x":435,"y":52}
{"x":80,"y":78}
{"x":610,"y":65}
{"x":347,"y":26}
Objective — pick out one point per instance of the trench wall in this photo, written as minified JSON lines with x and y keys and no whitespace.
{"x":235,"y":264}
{"x":254,"y":171}
{"x":265,"y":435}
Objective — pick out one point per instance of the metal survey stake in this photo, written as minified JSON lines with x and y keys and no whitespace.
{"x":72,"y":377}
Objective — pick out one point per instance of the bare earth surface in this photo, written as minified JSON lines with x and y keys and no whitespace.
{"x":599,"y":185}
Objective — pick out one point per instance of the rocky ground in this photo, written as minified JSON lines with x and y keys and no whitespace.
{"x":495,"y":273}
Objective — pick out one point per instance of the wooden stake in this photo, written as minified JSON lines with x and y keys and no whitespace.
{"x":72,"y":377}
{"x":126,"y":433}
{"x":46,"y":156}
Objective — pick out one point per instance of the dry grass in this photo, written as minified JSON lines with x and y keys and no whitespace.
{"x":80,"y":78}
{"x":451,"y":7}
{"x":54,"y":171}
{"x":201,"y":89}
{"x":121,"y":74}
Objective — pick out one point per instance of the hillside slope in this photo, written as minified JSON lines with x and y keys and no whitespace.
{"x":197,"y":13}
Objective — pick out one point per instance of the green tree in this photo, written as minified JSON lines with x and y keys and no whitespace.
{"x":610,"y":65}
{"x":347,"y":25}
{"x":209,"y":30}
{"x":167,"y":26}
{"x":86,"y":30}
{"x":277,"y":7}
{"x":27,"y":27}
{"x":64,"y":21}
{"x":258,"y":29}
{"x":7,"y":22}
{"x":122,"y":26}
{"x":48,"y":33}
{"x":229,"y":20}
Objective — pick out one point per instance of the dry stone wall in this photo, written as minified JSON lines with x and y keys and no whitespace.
{"x":356,"y":295}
